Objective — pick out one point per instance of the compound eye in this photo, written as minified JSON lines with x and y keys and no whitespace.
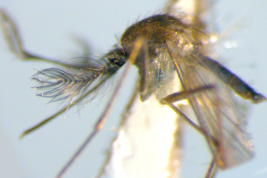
{"x":117,"y":61}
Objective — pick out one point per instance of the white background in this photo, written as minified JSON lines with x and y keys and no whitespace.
{"x":47,"y":28}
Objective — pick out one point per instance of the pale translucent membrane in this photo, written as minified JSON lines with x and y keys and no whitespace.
{"x":146,"y":145}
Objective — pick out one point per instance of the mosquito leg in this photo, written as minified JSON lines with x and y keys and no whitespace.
{"x":13,"y":38}
{"x":212,"y":169}
{"x":101,"y":121}
{"x":11,"y":35}
{"x":172,"y":98}
{"x":15,"y":44}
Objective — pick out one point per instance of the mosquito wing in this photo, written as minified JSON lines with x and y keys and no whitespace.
{"x":217,"y":111}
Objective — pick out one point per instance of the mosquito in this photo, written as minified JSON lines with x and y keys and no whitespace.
{"x":162,"y":47}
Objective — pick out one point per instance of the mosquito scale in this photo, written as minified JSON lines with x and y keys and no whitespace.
{"x":120,"y":55}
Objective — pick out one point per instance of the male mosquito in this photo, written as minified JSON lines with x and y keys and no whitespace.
{"x":161,"y":47}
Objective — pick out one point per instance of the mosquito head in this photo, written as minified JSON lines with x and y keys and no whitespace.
{"x":117,"y":57}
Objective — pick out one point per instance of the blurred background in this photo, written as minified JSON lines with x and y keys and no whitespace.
{"x":49,"y":28}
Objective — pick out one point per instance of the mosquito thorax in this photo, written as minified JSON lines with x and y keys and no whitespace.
{"x":156,"y":30}
{"x":164,"y":35}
